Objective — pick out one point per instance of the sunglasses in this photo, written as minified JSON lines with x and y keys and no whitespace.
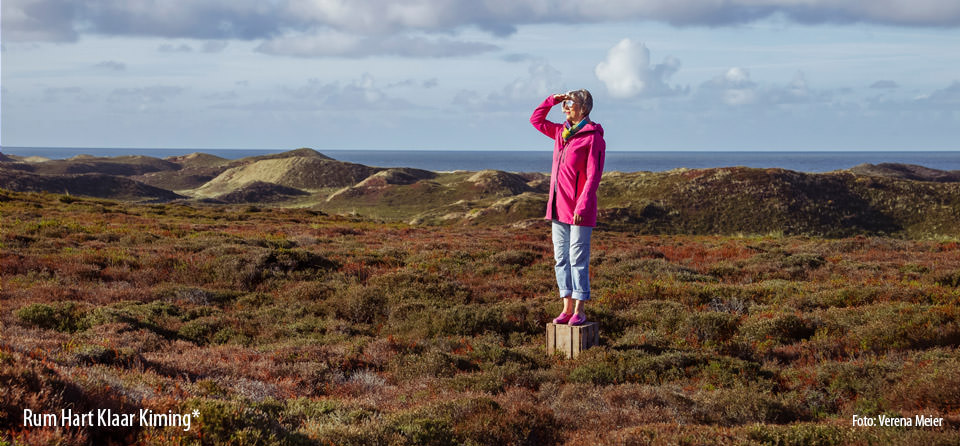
{"x":568,"y":103}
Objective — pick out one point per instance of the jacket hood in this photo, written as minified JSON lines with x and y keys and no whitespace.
{"x":593,"y":126}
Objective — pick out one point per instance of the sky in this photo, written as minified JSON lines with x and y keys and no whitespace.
{"x":821,"y":75}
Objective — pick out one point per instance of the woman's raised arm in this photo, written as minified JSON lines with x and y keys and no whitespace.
{"x":539,"y":117}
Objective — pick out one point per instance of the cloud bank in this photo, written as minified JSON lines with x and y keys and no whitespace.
{"x":736,"y":89}
{"x":373,"y":25}
{"x":541,"y":80}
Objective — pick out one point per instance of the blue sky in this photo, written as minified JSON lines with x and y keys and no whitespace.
{"x":454,"y":74}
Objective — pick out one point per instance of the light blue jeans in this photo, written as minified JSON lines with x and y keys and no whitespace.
{"x":571,"y":250}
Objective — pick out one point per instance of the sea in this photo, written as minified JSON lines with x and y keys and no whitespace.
{"x":539,"y":160}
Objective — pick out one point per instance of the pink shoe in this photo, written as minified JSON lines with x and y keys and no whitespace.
{"x":562,"y":318}
{"x":577,"y":319}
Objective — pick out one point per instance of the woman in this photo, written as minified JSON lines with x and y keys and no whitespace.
{"x":578,"y":153}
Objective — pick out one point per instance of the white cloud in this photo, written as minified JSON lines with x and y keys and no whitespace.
{"x":733,"y":88}
{"x":735,"y":77}
{"x":627,"y":72}
{"x":921,"y":106}
{"x":541,"y":80}
{"x":736,"y":88}
{"x":796,"y":92}
{"x":362,"y":94}
{"x":358,"y":94}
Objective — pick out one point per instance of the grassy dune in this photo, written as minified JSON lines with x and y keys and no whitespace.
{"x":292,"y":327}
{"x":898,"y":200}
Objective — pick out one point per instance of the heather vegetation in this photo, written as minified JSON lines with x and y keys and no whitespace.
{"x":290,"y":326}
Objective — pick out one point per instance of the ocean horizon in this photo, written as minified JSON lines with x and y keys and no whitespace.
{"x":539,"y":160}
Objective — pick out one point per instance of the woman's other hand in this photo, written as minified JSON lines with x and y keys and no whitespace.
{"x":577,"y":219}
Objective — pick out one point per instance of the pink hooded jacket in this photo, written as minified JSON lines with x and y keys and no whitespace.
{"x":577,"y":166}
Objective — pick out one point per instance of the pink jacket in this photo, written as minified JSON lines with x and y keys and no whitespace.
{"x":577,"y":166}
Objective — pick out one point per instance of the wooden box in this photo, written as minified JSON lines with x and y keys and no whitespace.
{"x":572,"y":340}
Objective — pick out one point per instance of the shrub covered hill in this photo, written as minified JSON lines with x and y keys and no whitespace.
{"x":886,"y":199}
{"x":291,"y":328}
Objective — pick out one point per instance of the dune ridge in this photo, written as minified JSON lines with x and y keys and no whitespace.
{"x":881,"y":199}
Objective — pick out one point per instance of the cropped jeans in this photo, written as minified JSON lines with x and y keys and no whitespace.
{"x":571,"y":250}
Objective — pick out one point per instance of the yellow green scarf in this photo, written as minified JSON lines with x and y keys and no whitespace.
{"x":569,"y":131}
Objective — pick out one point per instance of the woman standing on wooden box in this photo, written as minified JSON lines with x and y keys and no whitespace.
{"x":578,"y":154}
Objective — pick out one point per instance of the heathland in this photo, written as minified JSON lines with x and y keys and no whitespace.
{"x":399,"y":306}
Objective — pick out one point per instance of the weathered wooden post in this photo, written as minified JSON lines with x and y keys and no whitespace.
{"x":571,"y":340}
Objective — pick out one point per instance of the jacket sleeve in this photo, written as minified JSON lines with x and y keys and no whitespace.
{"x":588,"y":199}
{"x":539,"y":118}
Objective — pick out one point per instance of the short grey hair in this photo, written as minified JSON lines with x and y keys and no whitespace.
{"x":584,"y":98}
